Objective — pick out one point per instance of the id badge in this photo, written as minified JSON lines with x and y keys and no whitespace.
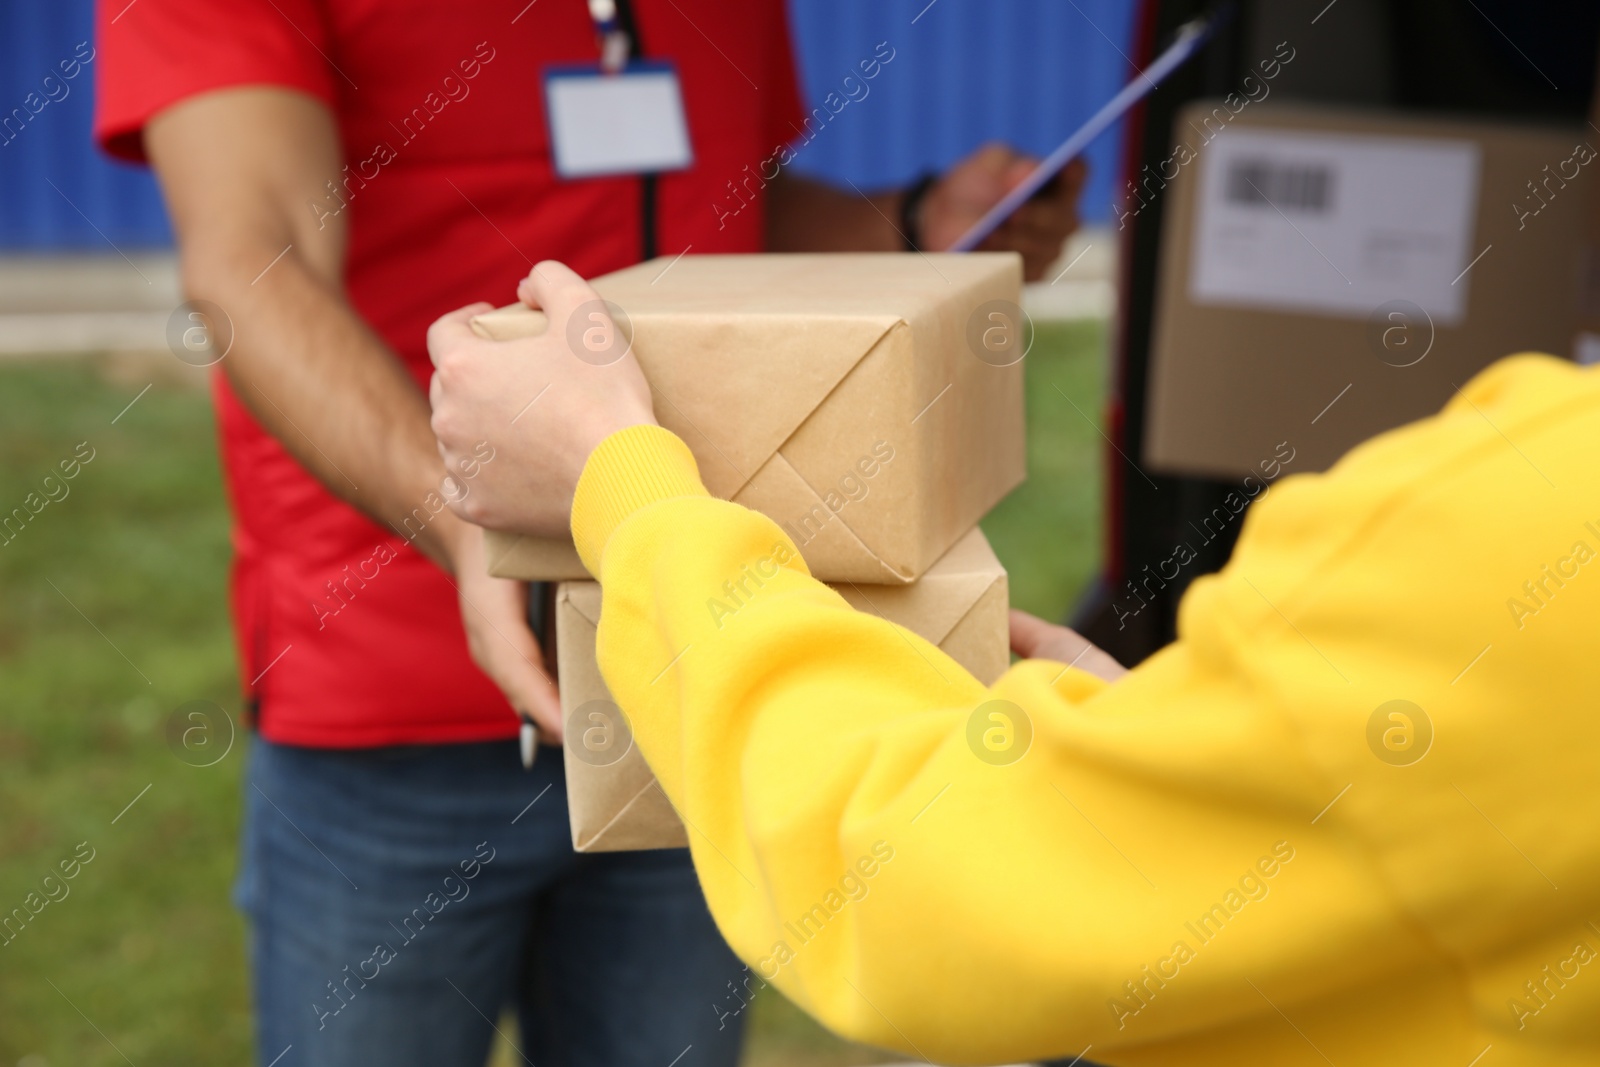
{"x":628,"y":122}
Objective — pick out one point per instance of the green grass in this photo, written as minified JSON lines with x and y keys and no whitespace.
{"x":146,"y":945}
{"x":1046,"y":532}
{"x":144,"y":958}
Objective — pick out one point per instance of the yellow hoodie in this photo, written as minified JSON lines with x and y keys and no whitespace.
{"x":1242,"y":852}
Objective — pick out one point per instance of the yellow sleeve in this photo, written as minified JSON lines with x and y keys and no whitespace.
{"x":1212,"y":861}
{"x":865,"y":848}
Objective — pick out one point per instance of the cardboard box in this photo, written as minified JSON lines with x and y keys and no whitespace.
{"x":960,"y":604}
{"x":871,"y":404}
{"x":1326,"y":275}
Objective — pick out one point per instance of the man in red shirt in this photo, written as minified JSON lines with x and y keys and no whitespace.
{"x":339,"y":172}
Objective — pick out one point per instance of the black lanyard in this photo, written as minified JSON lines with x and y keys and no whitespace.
{"x":618,"y":34}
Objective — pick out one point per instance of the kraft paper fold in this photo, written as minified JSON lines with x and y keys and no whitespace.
{"x":792,"y":376}
{"x":960,"y":604}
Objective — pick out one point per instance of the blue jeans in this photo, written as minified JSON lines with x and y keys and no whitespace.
{"x":399,"y":898}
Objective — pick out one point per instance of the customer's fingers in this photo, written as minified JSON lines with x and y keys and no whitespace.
{"x":1030,"y":634}
{"x":1033,"y":638}
{"x":556,"y":288}
{"x":450,"y":330}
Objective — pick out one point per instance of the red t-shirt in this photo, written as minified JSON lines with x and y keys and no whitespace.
{"x":347,"y":635}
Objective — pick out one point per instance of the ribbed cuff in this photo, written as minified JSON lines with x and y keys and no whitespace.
{"x":631,"y":469}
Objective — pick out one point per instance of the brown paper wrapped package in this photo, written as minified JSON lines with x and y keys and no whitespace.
{"x":842,"y":395}
{"x":615,"y":804}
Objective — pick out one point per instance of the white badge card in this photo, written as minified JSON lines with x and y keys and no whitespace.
{"x":628,"y":122}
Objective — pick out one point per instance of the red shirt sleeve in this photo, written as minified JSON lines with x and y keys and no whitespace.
{"x":154,"y":53}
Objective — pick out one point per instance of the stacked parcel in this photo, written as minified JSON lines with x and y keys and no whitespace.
{"x":870,"y":404}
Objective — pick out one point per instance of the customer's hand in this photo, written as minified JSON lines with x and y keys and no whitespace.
{"x":1038,"y":228}
{"x":494,"y":612}
{"x":542,"y":402}
{"x":1033,"y":638}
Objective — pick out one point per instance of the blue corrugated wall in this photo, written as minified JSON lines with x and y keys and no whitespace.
{"x":55,"y":188}
{"x":963,"y":72}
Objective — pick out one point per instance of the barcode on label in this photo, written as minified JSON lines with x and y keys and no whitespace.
{"x":1285,"y":186}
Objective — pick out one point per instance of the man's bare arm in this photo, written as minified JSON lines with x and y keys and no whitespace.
{"x":808,"y":216}
{"x":238,"y":167}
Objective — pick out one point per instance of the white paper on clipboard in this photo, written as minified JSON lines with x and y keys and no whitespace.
{"x":1334,"y":223}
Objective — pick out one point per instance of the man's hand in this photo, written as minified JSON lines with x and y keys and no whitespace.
{"x":542,"y":402}
{"x":495,"y":614}
{"x":808,"y":216}
{"x":970,"y":188}
{"x":1033,"y":638}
